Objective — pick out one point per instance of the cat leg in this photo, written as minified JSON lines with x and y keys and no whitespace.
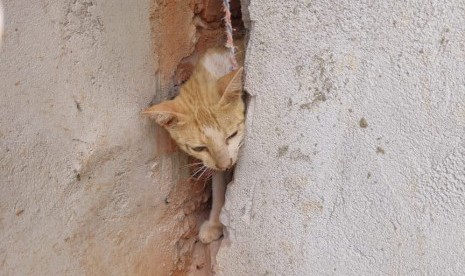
{"x":212,"y":229}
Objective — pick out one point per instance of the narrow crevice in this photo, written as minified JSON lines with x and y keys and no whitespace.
{"x":182,"y":31}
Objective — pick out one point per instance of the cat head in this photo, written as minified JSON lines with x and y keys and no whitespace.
{"x":207,"y":118}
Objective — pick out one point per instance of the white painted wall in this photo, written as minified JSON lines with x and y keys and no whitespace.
{"x":317,"y":191}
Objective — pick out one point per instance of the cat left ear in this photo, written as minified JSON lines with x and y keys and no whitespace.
{"x":166,"y":114}
{"x":230,"y":86}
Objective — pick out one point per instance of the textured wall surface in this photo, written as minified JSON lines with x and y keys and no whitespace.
{"x":87,"y":185}
{"x":80,"y":190}
{"x":354,"y":162}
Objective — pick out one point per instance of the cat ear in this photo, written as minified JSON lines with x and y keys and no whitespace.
{"x":230,"y":86}
{"x":166,"y":114}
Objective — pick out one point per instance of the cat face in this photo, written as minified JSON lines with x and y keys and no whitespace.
{"x":207,"y":119}
{"x":214,"y":136}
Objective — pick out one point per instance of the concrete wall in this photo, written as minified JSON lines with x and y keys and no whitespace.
{"x":81,"y":191}
{"x":354,"y":163}
{"x":88,"y":186}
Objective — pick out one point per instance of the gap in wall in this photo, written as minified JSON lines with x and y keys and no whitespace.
{"x":182,"y":31}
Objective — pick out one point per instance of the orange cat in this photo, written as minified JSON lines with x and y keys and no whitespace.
{"x":206,"y":120}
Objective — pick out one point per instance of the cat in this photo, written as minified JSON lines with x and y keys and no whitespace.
{"x":206,"y":120}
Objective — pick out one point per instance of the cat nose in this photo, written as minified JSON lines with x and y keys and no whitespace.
{"x":221,"y":168}
{"x":227,"y":166}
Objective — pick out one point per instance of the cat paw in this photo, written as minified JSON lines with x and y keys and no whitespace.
{"x":210,"y":231}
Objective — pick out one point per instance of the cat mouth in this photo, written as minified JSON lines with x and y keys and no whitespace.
{"x":215,"y":168}
{"x":218,"y":168}
{"x":226,"y":167}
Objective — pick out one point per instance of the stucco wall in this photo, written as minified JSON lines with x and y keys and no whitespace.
{"x":81,"y":189}
{"x":354,"y":162}
{"x":87,"y":185}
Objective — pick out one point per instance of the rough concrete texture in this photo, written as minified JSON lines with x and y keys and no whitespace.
{"x":1,"y":22}
{"x":88,"y":186}
{"x":81,"y":191}
{"x":354,"y":163}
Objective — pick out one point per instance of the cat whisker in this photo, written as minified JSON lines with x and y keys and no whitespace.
{"x":207,"y":177}
{"x":201,"y":169}
{"x":193,"y":177}
{"x":206,"y":169}
{"x":201,"y":173}
{"x":191,"y":165}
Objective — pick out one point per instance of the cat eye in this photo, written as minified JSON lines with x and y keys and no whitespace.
{"x":199,"y":149}
{"x":232,"y":135}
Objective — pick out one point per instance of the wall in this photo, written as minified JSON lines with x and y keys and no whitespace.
{"x":82,"y":191}
{"x":88,"y":186}
{"x":354,"y":162}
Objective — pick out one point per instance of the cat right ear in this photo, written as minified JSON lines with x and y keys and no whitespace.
{"x":230,"y":86}
{"x":166,"y":114}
